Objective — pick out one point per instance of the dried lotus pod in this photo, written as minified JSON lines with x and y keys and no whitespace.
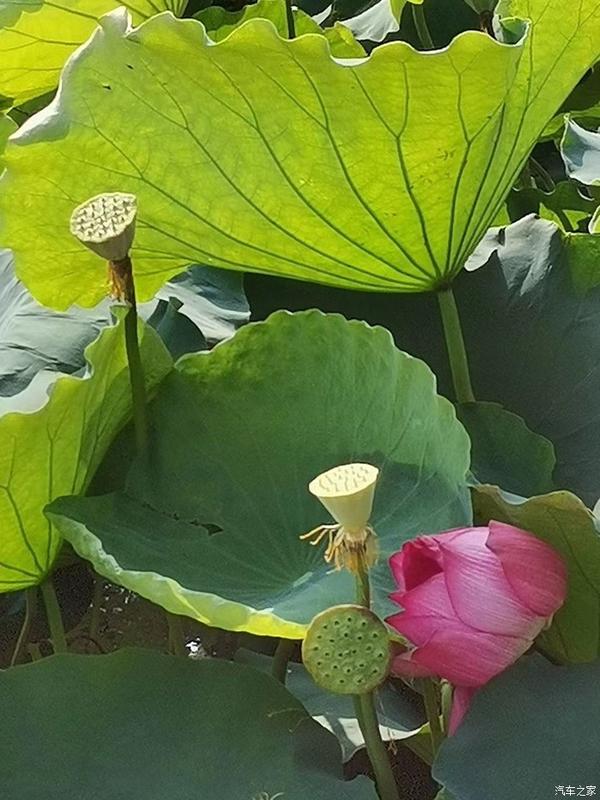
{"x":106,"y":225}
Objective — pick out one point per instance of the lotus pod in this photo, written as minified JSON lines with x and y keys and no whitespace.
{"x":347,"y":493}
{"x":106,"y":224}
{"x":347,"y":650}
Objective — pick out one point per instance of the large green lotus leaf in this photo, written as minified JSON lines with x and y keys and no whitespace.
{"x":531,"y":319}
{"x":210,"y":529}
{"x":399,"y":716}
{"x":562,"y":520}
{"x":52,"y":445}
{"x":530,"y":733}
{"x":145,"y":726}
{"x":219,"y":23}
{"x":380,"y":174}
{"x":36,"y":38}
{"x":505,"y":452}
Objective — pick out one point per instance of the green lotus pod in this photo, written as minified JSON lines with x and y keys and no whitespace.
{"x":347,"y":493}
{"x":347,"y":650}
{"x":105,"y":224}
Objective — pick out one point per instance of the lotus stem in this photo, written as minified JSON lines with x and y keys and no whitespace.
{"x":364,"y":708}
{"x":55,"y":623}
{"x":281,"y":659}
{"x":432,"y":709}
{"x":97,"y":597}
{"x":543,"y":177}
{"x":366,"y":714}
{"x":455,"y":344}
{"x":421,"y":26}
{"x":291,"y":23}
{"x":30,"y":609}
{"x":105,"y":224}
{"x":363,"y":586}
{"x":134,"y":359}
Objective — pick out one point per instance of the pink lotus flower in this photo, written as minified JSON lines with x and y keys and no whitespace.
{"x":474,"y":600}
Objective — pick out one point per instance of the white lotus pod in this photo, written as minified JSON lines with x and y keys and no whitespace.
{"x":347,"y":492}
{"x":106,"y":224}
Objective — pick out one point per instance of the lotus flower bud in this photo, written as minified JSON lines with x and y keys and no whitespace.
{"x":347,"y":492}
{"x":106,"y":225}
{"x":474,"y":600}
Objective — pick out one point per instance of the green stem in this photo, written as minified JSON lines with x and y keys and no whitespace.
{"x":291,"y":23}
{"x":96,"y":607}
{"x":446,"y":703}
{"x":364,"y":707}
{"x":136,"y":371}
{"x":35,"y":654}
{"x":55,"y":623}
{"x":30,"y":609}
{"x":281,"y":659}
{"x":422,"y":28}
{"x":544,"y":179}
{"x":363,"y":587}
{"x":432,"y":709}
{"x":455,"y":344}
{"x":564,"y":220}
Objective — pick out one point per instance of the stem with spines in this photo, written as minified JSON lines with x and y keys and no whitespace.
{"x":124,"y":272}
{"x":55,"y":623}
{"x":366,"y":714}
{"x":281,"y":659}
